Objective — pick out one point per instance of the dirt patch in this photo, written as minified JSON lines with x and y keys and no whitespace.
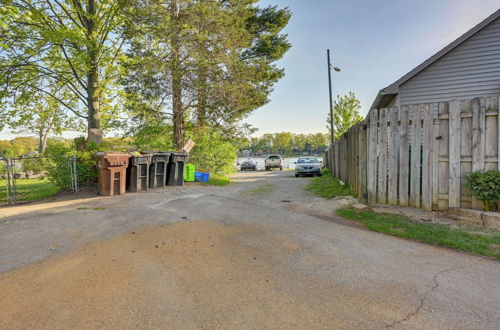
{"x":323,"y":207}
{"x":184,"y":275}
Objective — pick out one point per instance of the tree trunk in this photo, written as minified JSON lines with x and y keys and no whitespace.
{"x":42,"y":141}
{"x":94,"y":114}
{"x":178,"y":111}
{"x":201,"y":111}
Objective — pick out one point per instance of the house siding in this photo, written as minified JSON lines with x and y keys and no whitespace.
{"x":470,"y":70}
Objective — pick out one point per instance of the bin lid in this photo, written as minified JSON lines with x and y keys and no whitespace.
{"x":114,"y":158}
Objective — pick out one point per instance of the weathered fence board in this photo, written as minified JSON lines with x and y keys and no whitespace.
{"x":403,"y":157}
{"x":372,"y":158}
{"x":382,"y":157}
{"x":392,"y":185}
{"x":419,"y":155}
{"x":454,"y":155}
{"x":415,"y":157}
{"x":427,"y":150}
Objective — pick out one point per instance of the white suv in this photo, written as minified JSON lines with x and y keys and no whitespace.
{"x":273,"y":161}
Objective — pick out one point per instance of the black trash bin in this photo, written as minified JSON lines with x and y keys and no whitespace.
{"x":158,"y":169}
{"x":176,"y":169}
{"x":138,"y":173}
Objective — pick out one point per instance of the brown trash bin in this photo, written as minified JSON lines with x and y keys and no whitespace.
{"x":112,"y":172}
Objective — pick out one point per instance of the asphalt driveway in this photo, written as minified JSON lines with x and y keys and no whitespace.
{"x":228,"y":257}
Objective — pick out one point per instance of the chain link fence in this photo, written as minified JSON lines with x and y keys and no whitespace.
{"x":33,"y":178}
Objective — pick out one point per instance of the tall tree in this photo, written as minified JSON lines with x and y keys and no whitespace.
{"x":211,"y":60}
{"x":345,"y":113}
{"x":41,"y":116}
{"x":71,"y":44}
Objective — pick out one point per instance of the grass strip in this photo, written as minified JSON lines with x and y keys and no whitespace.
{"x":218,"y":180}
{"x":486,"y":243}
{"x":261,"y":190}
{"x":328,"y":186}
{"x":29,"y":189}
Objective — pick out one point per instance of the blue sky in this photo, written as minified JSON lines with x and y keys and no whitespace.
{"x":373,"y":42}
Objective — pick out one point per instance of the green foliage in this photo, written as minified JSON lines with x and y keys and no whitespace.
{"x":345,"y":114}
{"x":8,"y":153}
{"x":3,"y":167}
{"x":30,"y":189}
{"x":213,"y":153}
{"x":60,"y":52}
{"x":218,"y":180}
{"x":60,"y":173}
{"x":485,"y":186}
{"x":328,"y":186}
{"x":155,"y":136}
{"x":285,"y":143}
{"x":482,"y":243}
{"x":57,"y":148}
{"x":36,"y":165}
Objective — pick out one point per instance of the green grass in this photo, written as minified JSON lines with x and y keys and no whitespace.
{"x":261,"y":190}
{"x":91,"y":208}
{"x":29,"y":189}
{"x":218,"y":180}
{"x":485,"y":243}
{"x":328,"y":186}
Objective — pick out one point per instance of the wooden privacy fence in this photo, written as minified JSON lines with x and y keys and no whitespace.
{"x":419,"y":155}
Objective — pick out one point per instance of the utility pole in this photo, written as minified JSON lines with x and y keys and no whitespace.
{"x":332,"y":130}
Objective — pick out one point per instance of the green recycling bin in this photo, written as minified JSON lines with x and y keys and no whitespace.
{"x":189,"y":173}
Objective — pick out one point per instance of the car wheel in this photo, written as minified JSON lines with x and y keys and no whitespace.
{"x":281,"y":168}
{"x":296,"y":175}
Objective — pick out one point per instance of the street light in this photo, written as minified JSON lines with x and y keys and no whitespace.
{"x":336,"y":69}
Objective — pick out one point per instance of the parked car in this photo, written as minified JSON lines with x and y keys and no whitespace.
{"x":248,"y":164}
{"x":308,"y":166}
{"x":273,"y":161}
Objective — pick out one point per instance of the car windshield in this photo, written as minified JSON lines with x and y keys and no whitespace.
{"x":274,"y":157}
{"x":249,"y":161}
{"x":307,"y":161}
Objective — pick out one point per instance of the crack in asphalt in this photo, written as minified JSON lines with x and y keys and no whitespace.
{"x":425,"y":295}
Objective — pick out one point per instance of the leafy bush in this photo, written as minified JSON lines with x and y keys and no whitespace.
{"x":485,"y":186}
{"x":60,"y":172}
{"x":36,"y":165}
{"x":3,"y":167}
{"x":154,"y":136}
{"x":7,"y":153}
{"x":213,"y":153}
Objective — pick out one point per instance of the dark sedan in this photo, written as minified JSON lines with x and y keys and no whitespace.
{"x":249,"y":164}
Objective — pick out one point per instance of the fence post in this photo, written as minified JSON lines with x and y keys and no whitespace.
{"x":73,"y":173}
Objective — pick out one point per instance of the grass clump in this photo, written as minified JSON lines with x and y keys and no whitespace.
{"x":261,"y":190}
{"x":218,"y":180}
{"x":435,"y":234}
{"x":328,"y":186}
{"x":29,"y":189}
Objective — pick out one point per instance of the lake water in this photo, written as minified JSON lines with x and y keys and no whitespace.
{"x":288,"y":161}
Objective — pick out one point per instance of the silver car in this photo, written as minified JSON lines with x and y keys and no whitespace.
{"x":308,"y":166}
